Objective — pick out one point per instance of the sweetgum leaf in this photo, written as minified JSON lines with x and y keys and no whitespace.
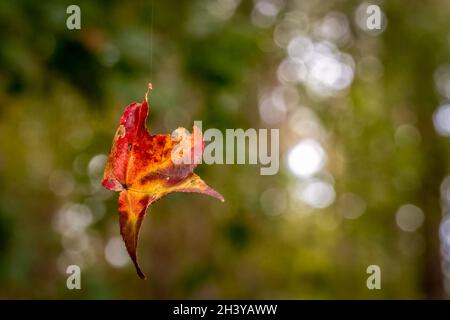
{"x":145,"y":167}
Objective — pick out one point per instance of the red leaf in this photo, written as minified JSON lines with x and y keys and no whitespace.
{"x":145,"y":167}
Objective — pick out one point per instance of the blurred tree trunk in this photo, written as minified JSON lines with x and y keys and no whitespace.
{"x":428,"y":194}
{"x":408,"y":49}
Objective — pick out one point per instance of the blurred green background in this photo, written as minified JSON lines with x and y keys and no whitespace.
{"x":364,"y":139}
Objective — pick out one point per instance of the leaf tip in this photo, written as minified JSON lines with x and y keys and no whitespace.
{"x":139,"y":272}
{"x":215,"y":194}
